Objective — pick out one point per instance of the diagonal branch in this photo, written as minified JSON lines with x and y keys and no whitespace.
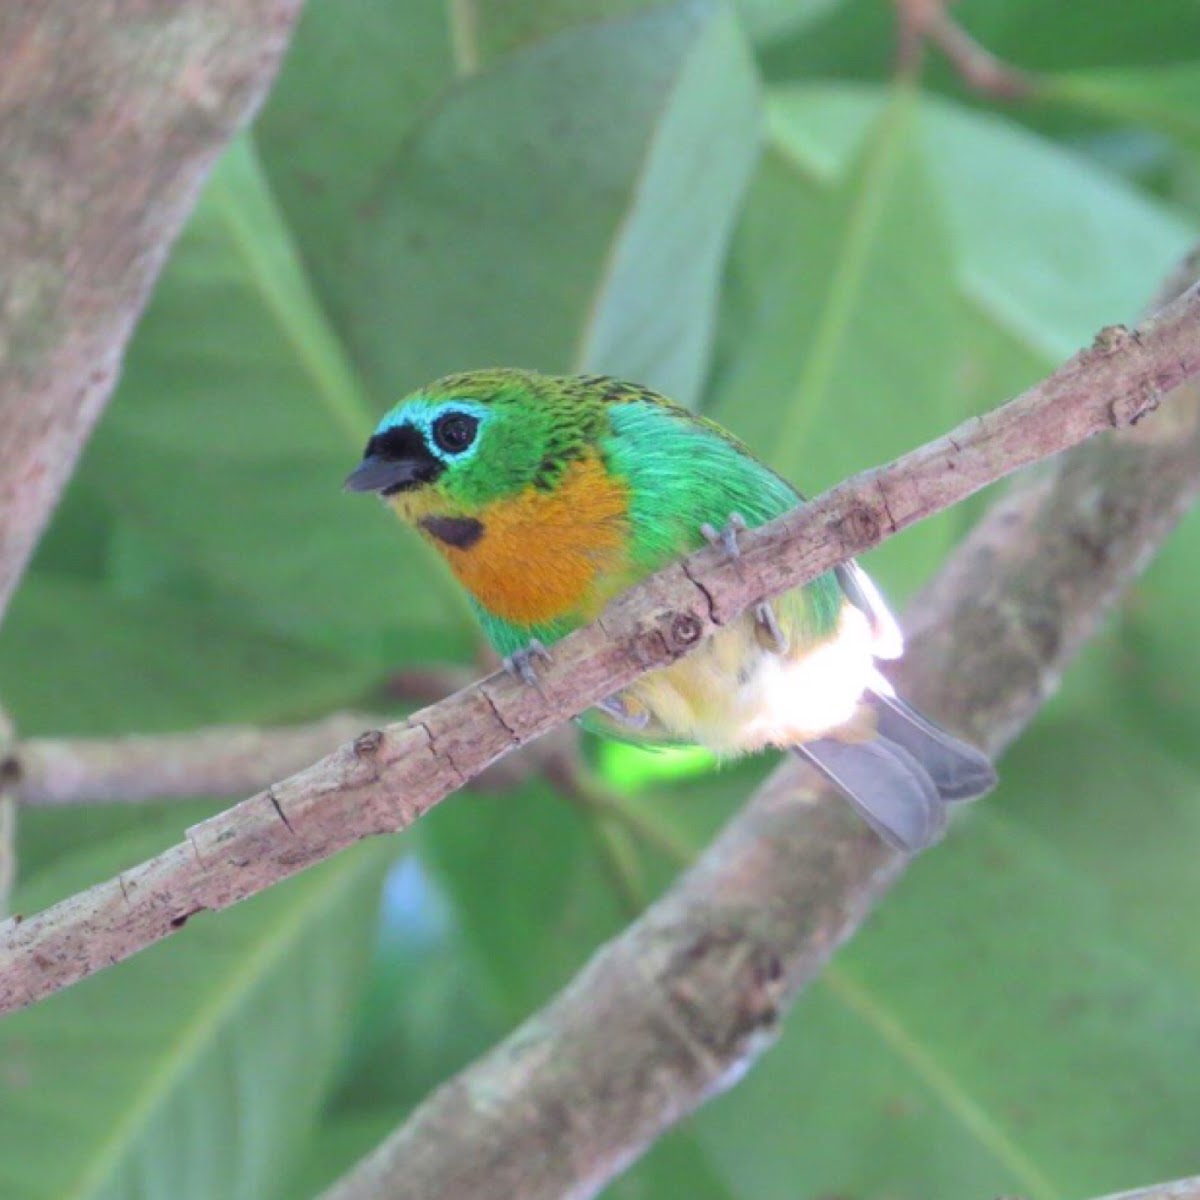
{"x":677,"y":1007}
{"x":8,"y":814}
{"x":1179,"y":1189}
{"x":111,"y":114}
{"x":921,"y":21}
{"x":386,"y":779}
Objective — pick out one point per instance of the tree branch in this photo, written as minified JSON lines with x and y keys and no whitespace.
{"x":679,"y":1006}
{"x":111,"y":114}
{"x":219,"y":761}
{"x":921,"y":21}
{"x":8,"y":814}
{"x":1180,"y":1189}
{"x":225,"y":760}
{"x":387,"y":779}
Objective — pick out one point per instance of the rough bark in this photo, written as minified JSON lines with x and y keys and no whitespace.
{"x":111,"y":113}
{"x":220,"y":761}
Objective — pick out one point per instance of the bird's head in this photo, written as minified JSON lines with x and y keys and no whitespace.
{"x":467,"y":441}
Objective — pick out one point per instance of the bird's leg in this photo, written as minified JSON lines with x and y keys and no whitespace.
{"x":764,"y":615}
{"x":726,"y":538}
{"x":520,"y":663}
{"x":616,"y":708}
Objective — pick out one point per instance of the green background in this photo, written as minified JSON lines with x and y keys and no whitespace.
{"x":735,"y":203}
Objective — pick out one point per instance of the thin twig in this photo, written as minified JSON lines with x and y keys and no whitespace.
{"x":219,"y":761}
{"x":921,"y":21}
{"x":389,"y":778}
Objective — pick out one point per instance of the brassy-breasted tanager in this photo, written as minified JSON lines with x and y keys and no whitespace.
{"x":549,"y":495}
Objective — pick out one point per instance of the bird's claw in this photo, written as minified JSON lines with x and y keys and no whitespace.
{"x":616,"y":708}
{"x":519,"y":664}
{"x":769,"y":631}
{"x":764,"y":615}
{"x":726,"y":538}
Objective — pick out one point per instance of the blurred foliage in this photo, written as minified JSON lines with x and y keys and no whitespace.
{"x":735,"y":202}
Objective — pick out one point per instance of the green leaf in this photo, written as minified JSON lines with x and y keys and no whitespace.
{"x":858,"y":40}
{"x":565,"y":209}
{"x":529,"y":879}
{"x":1166,"y":100}
{"x":195,"y":1068}
{"x":1001,"y":1027}
{"x":242,"y":401}
{"x":1159,"y":659}
{"x":336,"y":1145}
{"x":894,"y":273}
{"x":426,"y":1011}
{"x":841,"y":349}
{"x":767,"y":20}
{"x":358,"y":77}
{"x":1051,"y":264}
{"x":675,"y":1166}
{"x":77,"y":660}
{"x":239,"y":404}
{"x":483,"y":32}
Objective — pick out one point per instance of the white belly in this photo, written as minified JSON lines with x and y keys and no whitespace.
{"x":735,"y":696}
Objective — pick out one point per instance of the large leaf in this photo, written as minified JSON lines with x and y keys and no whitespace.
{"x":893,"y":273}
{"x":1166,"y":100}
{"x":1159,"y":660}
{"x":1013,"y":1022}
{"x":357,"y":78}
{"x":236,"y":421}
{"x":843,"y":350}
{"x":529,"y":881}
{"x":483,"y":30}
{"x":565,"y":209}
{"x":77,"y":659}
{"x":194,"y":1069}
{"x":858,"y":39}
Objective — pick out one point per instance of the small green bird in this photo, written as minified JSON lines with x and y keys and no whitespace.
{"x":549,"y":495}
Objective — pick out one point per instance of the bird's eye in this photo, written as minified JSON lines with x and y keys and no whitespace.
{"x":454,"y":432}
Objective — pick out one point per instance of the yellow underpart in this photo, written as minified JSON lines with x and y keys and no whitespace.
{"x":735,"y":696}
{"x":543,"y":554}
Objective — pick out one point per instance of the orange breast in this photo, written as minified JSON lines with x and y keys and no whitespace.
{"x":545,"y":555}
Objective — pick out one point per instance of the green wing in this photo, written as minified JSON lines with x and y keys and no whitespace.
{"x":684,"y":472}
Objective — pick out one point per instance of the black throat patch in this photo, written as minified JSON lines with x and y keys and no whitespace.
{"x":460,"y":532}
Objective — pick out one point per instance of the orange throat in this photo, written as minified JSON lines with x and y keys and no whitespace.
{"x":541,"y":555}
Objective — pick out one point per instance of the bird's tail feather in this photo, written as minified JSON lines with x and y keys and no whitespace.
{"x":890,"y":790}
{"x":958,"y":770}
{"x":901,"y":780}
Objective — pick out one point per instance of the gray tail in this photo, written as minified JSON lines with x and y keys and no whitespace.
{"x":959,"y":771}
{"x":901,"y":781}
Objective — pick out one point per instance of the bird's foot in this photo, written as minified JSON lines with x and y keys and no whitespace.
{"x":767,"y":626}
{"x":520,"y":663}
{"x":726,"y":538}
{"x":620,"y":712}
{"x":769,"y":632}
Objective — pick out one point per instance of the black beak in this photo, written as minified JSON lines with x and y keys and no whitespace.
{"x":394,"y":461}
{"x":386,"y":475}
